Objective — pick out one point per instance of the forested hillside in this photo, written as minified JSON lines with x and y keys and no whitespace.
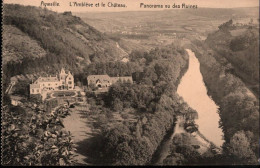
{"x":239,"y":108}
{"x":37,"y":40}
{"x":237,"y":47}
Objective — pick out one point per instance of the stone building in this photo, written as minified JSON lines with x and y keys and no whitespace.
{"x":104,"y":81}
{"x":63,"y":81}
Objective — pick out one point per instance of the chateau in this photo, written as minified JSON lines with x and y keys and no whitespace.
{"x":64,"y":81}
{"x":104,"y":81}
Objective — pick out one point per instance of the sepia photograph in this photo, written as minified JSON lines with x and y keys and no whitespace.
{"x":130,"y":83}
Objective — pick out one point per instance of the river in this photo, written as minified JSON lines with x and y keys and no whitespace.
{"x":194,"y":93}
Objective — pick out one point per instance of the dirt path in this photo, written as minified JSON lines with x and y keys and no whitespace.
{"x":77,"y":124}
{"x":165,"y":148}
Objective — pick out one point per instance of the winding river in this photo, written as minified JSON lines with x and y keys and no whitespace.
{"x":194,"y":93}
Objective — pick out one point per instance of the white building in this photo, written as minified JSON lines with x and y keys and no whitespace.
{"x":64,"y":81}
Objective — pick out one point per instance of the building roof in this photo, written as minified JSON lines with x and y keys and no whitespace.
{"x":126,"y":78}
{"x":14,"y":97}
{"x":107,"y":79}
{"x":122,"y":78}
{"x":34,"y":86}
{"x":47,"y":79}
{"x":102,"y":78}
{"x":62,"y":71}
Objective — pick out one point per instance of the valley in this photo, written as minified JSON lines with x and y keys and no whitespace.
{"x":170,"y":87}
{"x":153,"y":29}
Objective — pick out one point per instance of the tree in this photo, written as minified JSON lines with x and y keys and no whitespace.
{"x":124,"y":154}
{"x":6,"y":99}
{"x":225,"y":25}
{"x":22,"y":88}
{"x":117,"y":105}
{"x":240,"y":150}
{"x":175,"y":159}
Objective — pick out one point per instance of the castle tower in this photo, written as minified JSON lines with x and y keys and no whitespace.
{"x":62,"y":71}
{"x":62,"y":78}
{"x":70,"y":81}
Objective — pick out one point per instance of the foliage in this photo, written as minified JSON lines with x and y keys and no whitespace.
{"x":240,"y":150}
{"x":226,"y":25}
{"x":116,"y":68}
{"x":156,"y":103}
{"x":50,"y":104}
{"x":36,"y":98}
{"x":183,"y":151}
{"x":33,"y":137}
{"x":22,"y":88}
{"x":240,"y":52}
{"x":125,"y":95}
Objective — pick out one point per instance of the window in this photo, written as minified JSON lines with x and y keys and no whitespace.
{"x":32,"y":90}
{"x":49,"y":84}
{"x":70,"y":82}
{"x":63,"y":82}
{"x":69,"y":78}
{"x":43,"y":84}
{"x":56,"y":84}
{"x":37,"y":90}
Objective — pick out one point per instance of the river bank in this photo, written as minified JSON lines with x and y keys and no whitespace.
{"x":191,"y":82}
{"x":239,"y":109}
{"x":193,"y":90}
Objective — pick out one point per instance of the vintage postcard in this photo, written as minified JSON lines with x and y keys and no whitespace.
{"x":130,"y":82}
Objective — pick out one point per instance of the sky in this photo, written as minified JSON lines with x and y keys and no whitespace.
{"x":134,"y":5}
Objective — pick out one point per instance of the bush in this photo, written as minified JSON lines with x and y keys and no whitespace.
{"x":35,"y":139}
{"x":36,"y":98}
